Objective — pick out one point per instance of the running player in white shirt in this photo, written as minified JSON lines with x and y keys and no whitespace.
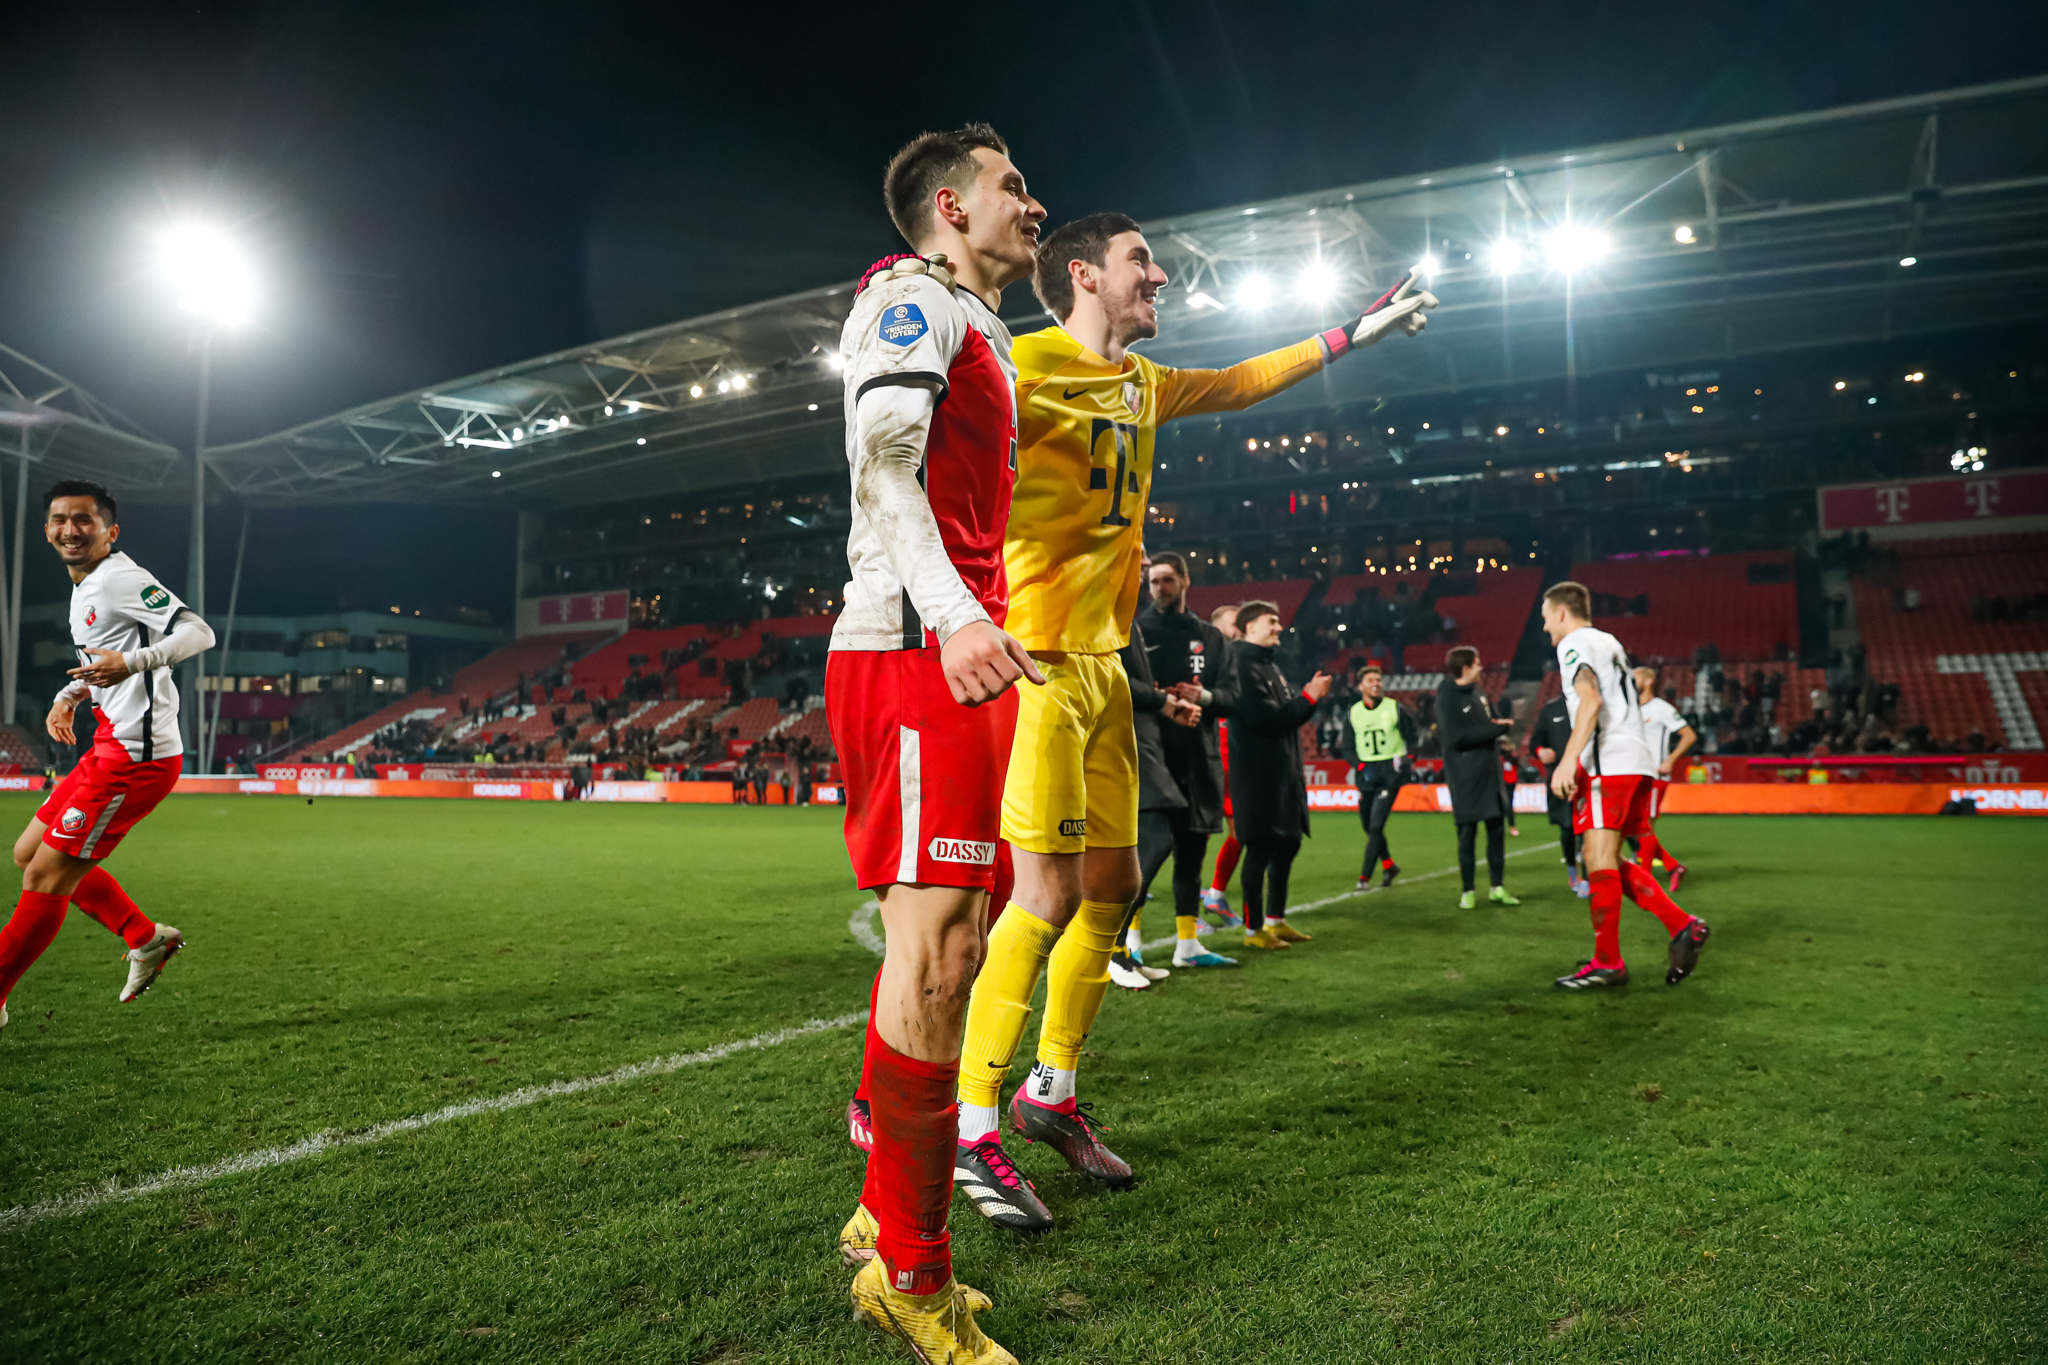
{"x":130,"y":632}
{"x":1606,"y":772}
{"x":1661,"y":725}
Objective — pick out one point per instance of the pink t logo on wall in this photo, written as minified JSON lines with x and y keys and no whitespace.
{"x":1982,"y":495}
{"x":1892,"y":502}
{"x":1944,"y":499}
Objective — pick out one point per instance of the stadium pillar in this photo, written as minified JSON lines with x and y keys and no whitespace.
{"x":195,"y":585}
{"x":10,"y":685}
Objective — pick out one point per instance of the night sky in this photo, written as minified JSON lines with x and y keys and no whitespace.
{"x":436,"y":189}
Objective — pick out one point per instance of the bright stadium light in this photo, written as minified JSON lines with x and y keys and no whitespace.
{"x":1505,"y":257}
{"x":1254,"y":291}
{"x":1682,"y":234}
{"x":1428,"y":265}
{"x":1575,"y":246}
{"x":1197,"y":299}
{"x":1317,"y":282}
{"x":1909,"y":261}
{"x":208,"y":273}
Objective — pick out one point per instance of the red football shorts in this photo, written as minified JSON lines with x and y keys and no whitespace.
{"x":924,"y":774}
{"x":93,"y":808}
{"x":1657,"y":797}
{"x":1616,"y":801}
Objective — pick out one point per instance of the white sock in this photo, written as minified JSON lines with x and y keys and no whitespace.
{"x":977,"y":1121}
{"x":1048,"y":1085}
{"x":1133,"y":941}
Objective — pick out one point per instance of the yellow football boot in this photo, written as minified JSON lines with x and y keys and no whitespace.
{"x":939,"y":1328}
{"x":1285,"y":932}
{"x":857,"y":1238}
{"x":1265,"y":938}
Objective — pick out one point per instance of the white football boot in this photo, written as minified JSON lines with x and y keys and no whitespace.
{"x":145,"y":962}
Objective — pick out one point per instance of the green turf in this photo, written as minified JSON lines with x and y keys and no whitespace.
{"x":1396,"y":1143}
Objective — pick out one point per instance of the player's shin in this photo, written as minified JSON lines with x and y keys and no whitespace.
{"x":1642,"y":888}
{"x":37,"y":918}
{"x":1017,"y":949}
{"x":101,"y":897}
{"x":911,"y":1171}
{"x":1074,"y":984}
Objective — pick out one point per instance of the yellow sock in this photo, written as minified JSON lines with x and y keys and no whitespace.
{"x":1184,"y":927}
{"x":1075,"y":981}
{"x":1001,"y":1002}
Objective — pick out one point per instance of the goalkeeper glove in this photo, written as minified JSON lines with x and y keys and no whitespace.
{"x":1405,"y":314}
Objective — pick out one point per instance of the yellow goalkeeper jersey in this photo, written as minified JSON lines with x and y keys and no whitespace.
{"x":1084,"y":477}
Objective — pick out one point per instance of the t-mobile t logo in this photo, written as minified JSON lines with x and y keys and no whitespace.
{"x":1982,"y":495}
{"x":1892,"y":502}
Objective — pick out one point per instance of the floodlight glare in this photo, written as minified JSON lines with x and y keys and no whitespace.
{"x":1576,"y":246}
{"x":1318,"y":282}
{"x":1682,"y":234}
{"x":1505,"y":257}
{"x":1909,"y":260}
{"x":1254,"y":291}
{"x":207,"y":273}
{"x":1428,"y":265}
{"x":1198,"y":299}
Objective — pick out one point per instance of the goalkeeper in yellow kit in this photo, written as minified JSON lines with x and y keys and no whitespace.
{"x":1087,"y":410}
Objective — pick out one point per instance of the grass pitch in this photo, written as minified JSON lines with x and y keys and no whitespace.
{"x":1394,"y":1144}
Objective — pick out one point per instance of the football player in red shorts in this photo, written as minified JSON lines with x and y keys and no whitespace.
{"x":917,"y":691}
{"x":1661,"y":725}
{"x":130,"y":632}
{"x":1607,"y":773}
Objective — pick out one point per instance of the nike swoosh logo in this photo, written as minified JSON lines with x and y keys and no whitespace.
{"x":1071,"y":394}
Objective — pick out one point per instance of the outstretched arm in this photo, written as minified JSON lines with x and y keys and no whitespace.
{"x":1252,"y":381}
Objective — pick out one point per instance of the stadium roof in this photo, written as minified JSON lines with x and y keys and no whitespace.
{"x":1799,"y":234}
{"x":68,"y":433}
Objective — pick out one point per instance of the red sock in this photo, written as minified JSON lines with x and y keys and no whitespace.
{"x":1642,"y":888}
{"x":1606,"y":908}
{"x":911,"y":1172}
{"x":100,"y":896}
{"x":1226,"y":863}
{"x":871,"y":1181}
{"x":37,"y":918}
{"x":860,"y":1092}
{"x":1653,"y":848}
{"x":1386,"y":862}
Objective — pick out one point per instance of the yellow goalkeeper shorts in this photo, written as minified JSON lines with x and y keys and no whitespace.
{"x":1073,"y":781}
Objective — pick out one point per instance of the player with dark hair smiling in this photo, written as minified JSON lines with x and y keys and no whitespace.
{"x":1088,"y":409}
{"x":130,"y":632}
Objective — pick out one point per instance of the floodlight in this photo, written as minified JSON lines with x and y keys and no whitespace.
{"x":1682,"y":234}
{"x":1254,"y":291}
{"x":1909,"y":260}
{"x":739,"y":381}
{"x":207,"y":273}
{"x":1506,"y":257}
{"x":696,"y":390}
{"x":1575,"y":246}
{"x":1428,"y":265}
{"x":834,"y":361}
{"x":1317,"y":282}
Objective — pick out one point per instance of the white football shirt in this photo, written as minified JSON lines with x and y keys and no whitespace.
{"x":1618,"y":746}
{"x":1661,"y":724}
{"x":119,"y":606}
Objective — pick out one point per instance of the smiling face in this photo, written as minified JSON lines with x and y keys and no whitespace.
{"x":1264,"y":631}
{"x":1371,"y":686}
{"x":1002,"y":218}
{"x":1127,"y":285}
{"x":79,"y":532}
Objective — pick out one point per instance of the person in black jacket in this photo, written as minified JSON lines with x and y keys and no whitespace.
{"x":1547,"y":738}
{"x":1162,"y":815}
{"x":1268,"y":794}
{"x":1470,"y":736}
{"x":1189,"y":658}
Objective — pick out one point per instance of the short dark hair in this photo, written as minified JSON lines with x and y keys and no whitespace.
{"x":1458,"y":660}
{"x":81,"y":488}
{"x":1573,"y":597}
{"x":925,"y":164}
{"x":1370,"y":668}
{"x":1174,"y":561}
{"x":1253,"y":610}
{"x":1084,"y":239}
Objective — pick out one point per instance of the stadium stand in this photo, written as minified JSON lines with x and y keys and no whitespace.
{"x":1662,"y":610}
{"x":1285,"y":593}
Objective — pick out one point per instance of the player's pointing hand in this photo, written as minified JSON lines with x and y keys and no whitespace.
{"x":981,"y":661}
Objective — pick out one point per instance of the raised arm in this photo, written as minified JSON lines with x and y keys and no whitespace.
{"x":1252,"y":381}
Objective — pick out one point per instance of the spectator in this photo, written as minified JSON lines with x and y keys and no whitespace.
{"x":1268,"y":793}
{"x":1470,"y":735}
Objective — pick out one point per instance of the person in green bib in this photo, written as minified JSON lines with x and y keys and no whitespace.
{"x":1382,"y":741}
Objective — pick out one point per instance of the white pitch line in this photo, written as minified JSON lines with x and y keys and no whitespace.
{"x":186,"y":1177}
{"x":859,"y":925}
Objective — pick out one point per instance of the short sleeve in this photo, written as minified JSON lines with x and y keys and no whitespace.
{"x":903,"y":331}
{"x":140,"y":598}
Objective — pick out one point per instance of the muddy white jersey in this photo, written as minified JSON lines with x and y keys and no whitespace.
{"x":1661,"y":724}
{"x":119,"y":606}
{"x":1618,"y":746}
{"x":939,"y":351}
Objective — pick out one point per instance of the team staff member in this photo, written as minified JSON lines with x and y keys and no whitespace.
{"x":1216,"y":900}
{"x":1547,"y":740}
{"x":1088,"y":409}
{"x":1470,"y":735}
{"x":1662,"y":727}
{"x":1605,"y":772}
{"x":1191,"y":657}
{"x":130,"y":633}
{"x":1382,"y":739}
{"x":917,"y":689}
{"x":1267,"y":787}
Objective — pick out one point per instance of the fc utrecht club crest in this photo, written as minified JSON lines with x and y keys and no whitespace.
{"x":1132,"y":397}
{"x":72,"y":820}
